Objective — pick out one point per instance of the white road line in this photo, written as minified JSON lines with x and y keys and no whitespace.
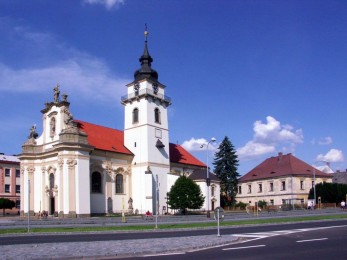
{"x":243,"y":247}
{"x":310,"y":240}
{"x":164,"y":254}
{"x":250,"y":235}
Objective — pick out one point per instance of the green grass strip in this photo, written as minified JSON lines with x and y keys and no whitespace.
{"x":162,"y":226}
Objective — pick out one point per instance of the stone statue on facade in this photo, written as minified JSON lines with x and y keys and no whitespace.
{"x":56,"y":93}
{"x":130,"y":205}
{"x":33,"y":134}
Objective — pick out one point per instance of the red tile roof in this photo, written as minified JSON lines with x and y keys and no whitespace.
{"x":179,"y":155}
{"x":282,"y":165}
{"x":104,"y":138}
{"x":109,"y":139}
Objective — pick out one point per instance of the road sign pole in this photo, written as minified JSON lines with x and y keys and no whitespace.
{"x":218,"y":234}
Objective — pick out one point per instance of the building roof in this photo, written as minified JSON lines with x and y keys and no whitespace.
{"x":109,"y":139}
{"x":202,"y":175}
{"x":179,"y":155}
{"x":280,"y":166}
{"x":9,"y":159}
{"x":104,"y":138}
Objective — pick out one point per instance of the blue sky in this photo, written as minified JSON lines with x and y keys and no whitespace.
{"x":270,"y":75}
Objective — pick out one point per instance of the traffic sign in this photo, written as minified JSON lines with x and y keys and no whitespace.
{"x":219,"y":213}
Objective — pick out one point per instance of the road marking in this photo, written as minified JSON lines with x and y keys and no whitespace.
{"x":164,"y":254}
{"x":310,"y":240}
{"x":243,"y":247}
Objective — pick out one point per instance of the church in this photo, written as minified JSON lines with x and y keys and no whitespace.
{"x":78,"y":169}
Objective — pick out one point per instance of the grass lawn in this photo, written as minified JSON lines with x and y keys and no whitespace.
{"x":162,"y":226}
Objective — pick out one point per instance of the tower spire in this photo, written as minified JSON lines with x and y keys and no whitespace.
{"x":146,"y":60}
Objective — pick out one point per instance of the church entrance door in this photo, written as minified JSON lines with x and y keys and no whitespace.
{"x":52,"y":208}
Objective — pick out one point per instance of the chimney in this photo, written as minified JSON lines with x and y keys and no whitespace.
{"x":280,"y":155}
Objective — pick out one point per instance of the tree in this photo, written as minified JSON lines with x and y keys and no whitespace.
{"x":6,"y":204}
{"x":226,"y":164}
{"x":185,"y":194}
{"x":329,"y":192}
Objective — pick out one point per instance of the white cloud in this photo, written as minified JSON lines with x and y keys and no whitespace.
{"x":109,"y":4}
{"x":78,"y":73}
{"x":325,"y":141}
{"x":197,"y":145}
{"x":333,"y":155}
{"x":268,"y":136}
{"x":254,"y":149}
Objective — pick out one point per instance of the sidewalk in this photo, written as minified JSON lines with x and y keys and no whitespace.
{"x":114,"y":249}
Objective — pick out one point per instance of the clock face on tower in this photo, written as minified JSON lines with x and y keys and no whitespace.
{"x":155,"y":88}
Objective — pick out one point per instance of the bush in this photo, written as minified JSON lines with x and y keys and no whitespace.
{"x":262,"y":204}
{"x":241,"y":205}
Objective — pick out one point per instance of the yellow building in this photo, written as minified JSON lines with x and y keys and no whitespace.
{"x":282,"y":179}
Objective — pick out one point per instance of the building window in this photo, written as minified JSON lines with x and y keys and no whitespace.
{"x":302,"y":185}
{"x":249,"y":188}
{"x":17,"y":188}
{"x":52,"y":127}
{"x":157,"y":115}
{"x":17,"y":173}
{"x":135,"y":115}
{"x":271,"y":187}
{"x":96,"y":182}
{"x":240,"y":190}
{"x":51,"y":181}
{"x":271,"y":202}
{"x":7,"y":188}
{"x":119,"y":184}
{"x":18,"y":204}
{"x":7,"y":172}
{"x":283,"y":185}
{"x":212,"y":190}
{"x":260,"y":187}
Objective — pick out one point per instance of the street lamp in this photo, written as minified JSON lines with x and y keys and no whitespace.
{"x":314,"y":187}
{"x":208,"y":180}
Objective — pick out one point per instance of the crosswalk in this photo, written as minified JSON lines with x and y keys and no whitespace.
{"x":269,"y":234}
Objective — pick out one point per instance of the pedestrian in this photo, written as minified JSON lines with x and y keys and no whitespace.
{"x":343,"y":205}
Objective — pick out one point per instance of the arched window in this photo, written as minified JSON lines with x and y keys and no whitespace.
{"x":51,"y":181}
{"x":213,"y":190}
{"x":96,"y":182}
{"x":119,"y":184}
{"x":52,"y":126}
{"x":135,"y":115}
{"x":157,"y":115}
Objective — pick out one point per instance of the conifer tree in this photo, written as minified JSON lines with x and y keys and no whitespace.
{"x":226,"y":163}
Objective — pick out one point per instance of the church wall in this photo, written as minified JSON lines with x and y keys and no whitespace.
{"x":142,"y":185}
{"x":82,"y":187}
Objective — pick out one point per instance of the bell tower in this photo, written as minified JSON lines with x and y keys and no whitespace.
{"x":146,"y":135}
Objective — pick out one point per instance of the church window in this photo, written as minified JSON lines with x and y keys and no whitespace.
{"x":52,"y":126}
{"x":51,"y":181}
{"x":119,"y":184}
{"x":157,"y":115}
{"x":96,"y":182}
{"x":135,"y":115}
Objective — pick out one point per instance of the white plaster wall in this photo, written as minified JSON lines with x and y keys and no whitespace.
{"x":142,"y":189}
{"x":83,"y":187}
{"x":66,"y":188}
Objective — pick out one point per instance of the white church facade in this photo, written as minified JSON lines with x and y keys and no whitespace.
{"x":75,"y":168}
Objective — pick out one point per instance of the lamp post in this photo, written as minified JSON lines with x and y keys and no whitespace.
{"x":314,"y":187}
{"x":208,"y":180}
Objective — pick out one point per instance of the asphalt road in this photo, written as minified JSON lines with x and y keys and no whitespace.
{"x":116,"y":236}
{"x":319,"y":242}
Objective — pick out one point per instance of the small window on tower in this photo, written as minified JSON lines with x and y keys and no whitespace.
{"x":157,"y":115}
{"x":135,"y":115}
